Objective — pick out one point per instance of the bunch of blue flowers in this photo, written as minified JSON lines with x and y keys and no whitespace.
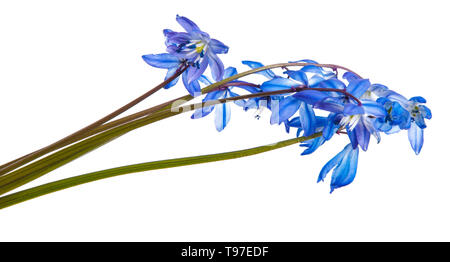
{"x":356,"y":106}
{"x":317,"y":100}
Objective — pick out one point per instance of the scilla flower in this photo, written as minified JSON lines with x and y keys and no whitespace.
{"x":197,"y":48}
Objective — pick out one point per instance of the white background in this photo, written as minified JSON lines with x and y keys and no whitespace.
{"x":64,"y":64}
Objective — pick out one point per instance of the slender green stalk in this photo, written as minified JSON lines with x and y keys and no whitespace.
{"x":79,"y":134}
{"x":64,"y":156}
{"x":96,"y":128}
{"x":34,"y":192}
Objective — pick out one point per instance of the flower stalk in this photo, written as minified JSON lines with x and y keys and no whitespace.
{"x":44,"y":189}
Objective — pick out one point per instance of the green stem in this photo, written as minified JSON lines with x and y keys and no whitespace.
{"x":5,"y":168}
{"x":34,"y":192}
{"x":66,"y":155}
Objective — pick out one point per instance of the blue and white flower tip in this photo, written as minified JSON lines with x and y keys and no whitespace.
{"x":419,"y":113}
{"x":344,"y":164}
{"x":197,"y":48}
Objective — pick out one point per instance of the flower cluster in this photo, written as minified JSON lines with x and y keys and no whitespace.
{"x":353,"y":105}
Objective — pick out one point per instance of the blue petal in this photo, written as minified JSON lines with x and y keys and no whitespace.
{"x":193,"y":88}
{"x":176,"y":38}
{"x":222,"y":116}
{"x":162,"y":60}
{"x":332,"y":83}
{"x":252,"y":64}
{"x":218,"y":47}
{"x":278,"y":83}
{"x":317,"y":70}
{"x":418,"y":99}
{"x":316,"y":80}
{"x":331,"y":164}
{"x":170,"y":73}
{"x":420,"y":121}
{"x":358,"y":87}
{"x":345,"y":172}
{"x":207,"y":109}
{"x":297,"y":75}
{"x":313,"y":145}
{"x":307,"y":118}
{"x":415,"y":135}
{"x":286,"y":108}
{"x":309,"y":61}
{"x":193,"y":72}
{"x":216,"y":65}
{"x":350,"y":77}
{"x":330,"y":104}
{"x":187,"y":24}
{"x":229,"y":71}
{"x":374,"y":109}
{"x":352,"y":109}
{"x":353,"y":139}
{"x":310,"y":96}
{"x":295,"y":122}
{"x":362,"y":135}
{"x":330,"y":128}
{"x":425,"y":111}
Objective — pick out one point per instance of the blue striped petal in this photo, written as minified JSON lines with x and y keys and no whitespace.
{"x":331,"y":164}
{"x":164,"y":60}
{"x":286,"y":108}
{"x":229,"y":71}
{"x":358,"y":87}
{"x":193,"y":72}
{"x":374,"y":109}
{"x":170,"y":73}
{"x":216,"y":65}
{"x":418,"y":99}
{"x":222,"y":116}
{"x":415,"y":135}
{"x":187,"y":24}
{"x":278,"y":83}
{"x":307,"y":118}
{"x":350,"y":77}
{"x":345,"y":172}
{"x":193,"y":88}
{"x":218,"y":47}
{"x":297,"y":75}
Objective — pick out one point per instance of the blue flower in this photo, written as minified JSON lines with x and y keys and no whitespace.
{"x":402,"y":114}
{"x":418,"y":112}
{"x":172,"y":64}
{"x":197,"y":48}
{"x":357,"y":119}
{"x":345,"y":164}
{"x":222,"y":111}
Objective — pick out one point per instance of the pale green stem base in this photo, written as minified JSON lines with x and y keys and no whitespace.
{"x":34,"y":192}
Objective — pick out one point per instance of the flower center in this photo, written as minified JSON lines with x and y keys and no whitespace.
{"x":350,"y":121}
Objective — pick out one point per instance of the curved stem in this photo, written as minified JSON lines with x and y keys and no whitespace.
{"x":66,"y":155}
{"x":79,"y":134}
{"x":34,"y":192}
{"x":149,"y":112}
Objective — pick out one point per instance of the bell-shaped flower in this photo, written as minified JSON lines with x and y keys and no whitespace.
{"x":197,"y":48}
{"x":344,"y":166}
